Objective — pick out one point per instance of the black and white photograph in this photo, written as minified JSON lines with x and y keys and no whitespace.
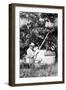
{"x":37,"y":49}
{"x":38,"y":44}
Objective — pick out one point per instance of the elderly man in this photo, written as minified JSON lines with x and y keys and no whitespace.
{"x":30,"y":54}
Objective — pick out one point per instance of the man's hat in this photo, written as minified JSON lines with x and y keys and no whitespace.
{"x":32,"y":44}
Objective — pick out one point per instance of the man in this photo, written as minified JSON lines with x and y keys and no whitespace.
{"x":30,"y":54}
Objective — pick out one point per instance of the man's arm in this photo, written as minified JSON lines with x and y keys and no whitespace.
{"x":30,"y":53}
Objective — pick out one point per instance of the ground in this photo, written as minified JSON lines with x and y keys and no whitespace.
{"x":42,"y":71}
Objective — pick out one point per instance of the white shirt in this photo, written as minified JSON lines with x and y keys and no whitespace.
{"x":30,"y":52}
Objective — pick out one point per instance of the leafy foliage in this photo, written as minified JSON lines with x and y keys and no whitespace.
{"x":34,"y":30}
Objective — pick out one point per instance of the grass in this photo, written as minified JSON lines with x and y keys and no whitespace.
{"x":39,"y":71}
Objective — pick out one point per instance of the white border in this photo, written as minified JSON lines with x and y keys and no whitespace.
{"x":17,"y":34}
